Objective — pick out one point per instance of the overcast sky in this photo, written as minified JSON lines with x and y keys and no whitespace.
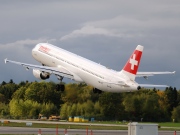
{"x":105,"y":31}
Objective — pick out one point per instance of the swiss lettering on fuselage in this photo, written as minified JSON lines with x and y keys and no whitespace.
{"x":44,"y":49}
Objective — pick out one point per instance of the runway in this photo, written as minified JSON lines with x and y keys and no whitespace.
{"x":29,"y":130}
{"x":26,"y":130}
{"x":65,"y":123}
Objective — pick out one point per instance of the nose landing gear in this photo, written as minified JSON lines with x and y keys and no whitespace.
{"x":60,"y":87}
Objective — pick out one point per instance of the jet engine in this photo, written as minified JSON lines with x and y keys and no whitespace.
{"x":40,"y":75}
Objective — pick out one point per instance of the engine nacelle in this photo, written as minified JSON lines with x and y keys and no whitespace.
{"x":40,"y":75}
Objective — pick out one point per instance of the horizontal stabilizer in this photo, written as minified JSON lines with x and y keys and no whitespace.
{"x":146,"y":74}
{"x":152,"y":85}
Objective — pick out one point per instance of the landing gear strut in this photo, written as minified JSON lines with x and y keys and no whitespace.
{"x":60,"y":87}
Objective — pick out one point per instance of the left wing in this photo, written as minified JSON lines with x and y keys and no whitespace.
{"x":146,"y":74}
{"x":52,"y":70}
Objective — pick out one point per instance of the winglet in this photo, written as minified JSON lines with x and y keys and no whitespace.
{"x":5,"y":60}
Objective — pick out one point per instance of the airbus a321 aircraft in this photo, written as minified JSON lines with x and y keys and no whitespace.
{"x":62,"y":63}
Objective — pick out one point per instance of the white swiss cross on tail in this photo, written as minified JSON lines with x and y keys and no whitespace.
{"x":133,"y":62}
{"x":131,"y":67}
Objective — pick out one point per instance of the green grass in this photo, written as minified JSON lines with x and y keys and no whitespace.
{"x":166,"y":125}
{"x":169,"y":124}
{"x":66,"y":126}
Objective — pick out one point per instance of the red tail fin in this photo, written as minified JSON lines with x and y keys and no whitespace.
{"x":132,"y":64}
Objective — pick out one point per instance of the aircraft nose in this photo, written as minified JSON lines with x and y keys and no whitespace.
{"x":34,"y":50}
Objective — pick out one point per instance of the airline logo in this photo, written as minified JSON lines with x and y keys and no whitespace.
{"x":134,"y":61}
{"x":44,"y":49}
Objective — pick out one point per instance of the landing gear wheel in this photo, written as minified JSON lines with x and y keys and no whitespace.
{"x":139,"y":87}
{"x":60,"y":87}
{"x":97,"y":91}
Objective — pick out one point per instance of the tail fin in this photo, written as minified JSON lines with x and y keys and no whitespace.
{"x":131,"y":67}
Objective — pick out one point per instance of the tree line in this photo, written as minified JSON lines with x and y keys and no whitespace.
{"x":29,"y":99}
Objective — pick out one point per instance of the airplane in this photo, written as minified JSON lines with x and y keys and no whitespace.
{"x":63,"y":63}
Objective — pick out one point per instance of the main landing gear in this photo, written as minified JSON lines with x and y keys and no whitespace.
{"x":60,"y":87}
{"x":139,"y":87}
{"x":95,"y":90}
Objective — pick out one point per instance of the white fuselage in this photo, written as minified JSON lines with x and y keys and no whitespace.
{"x":83,"y":69}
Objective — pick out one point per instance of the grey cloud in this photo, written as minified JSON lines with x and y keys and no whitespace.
{"x":104,"y":31}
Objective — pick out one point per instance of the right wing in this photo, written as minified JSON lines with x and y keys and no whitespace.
{"x":52,"y":70}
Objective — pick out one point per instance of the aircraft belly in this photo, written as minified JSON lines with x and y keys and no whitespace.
{"x":90,"y":79}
